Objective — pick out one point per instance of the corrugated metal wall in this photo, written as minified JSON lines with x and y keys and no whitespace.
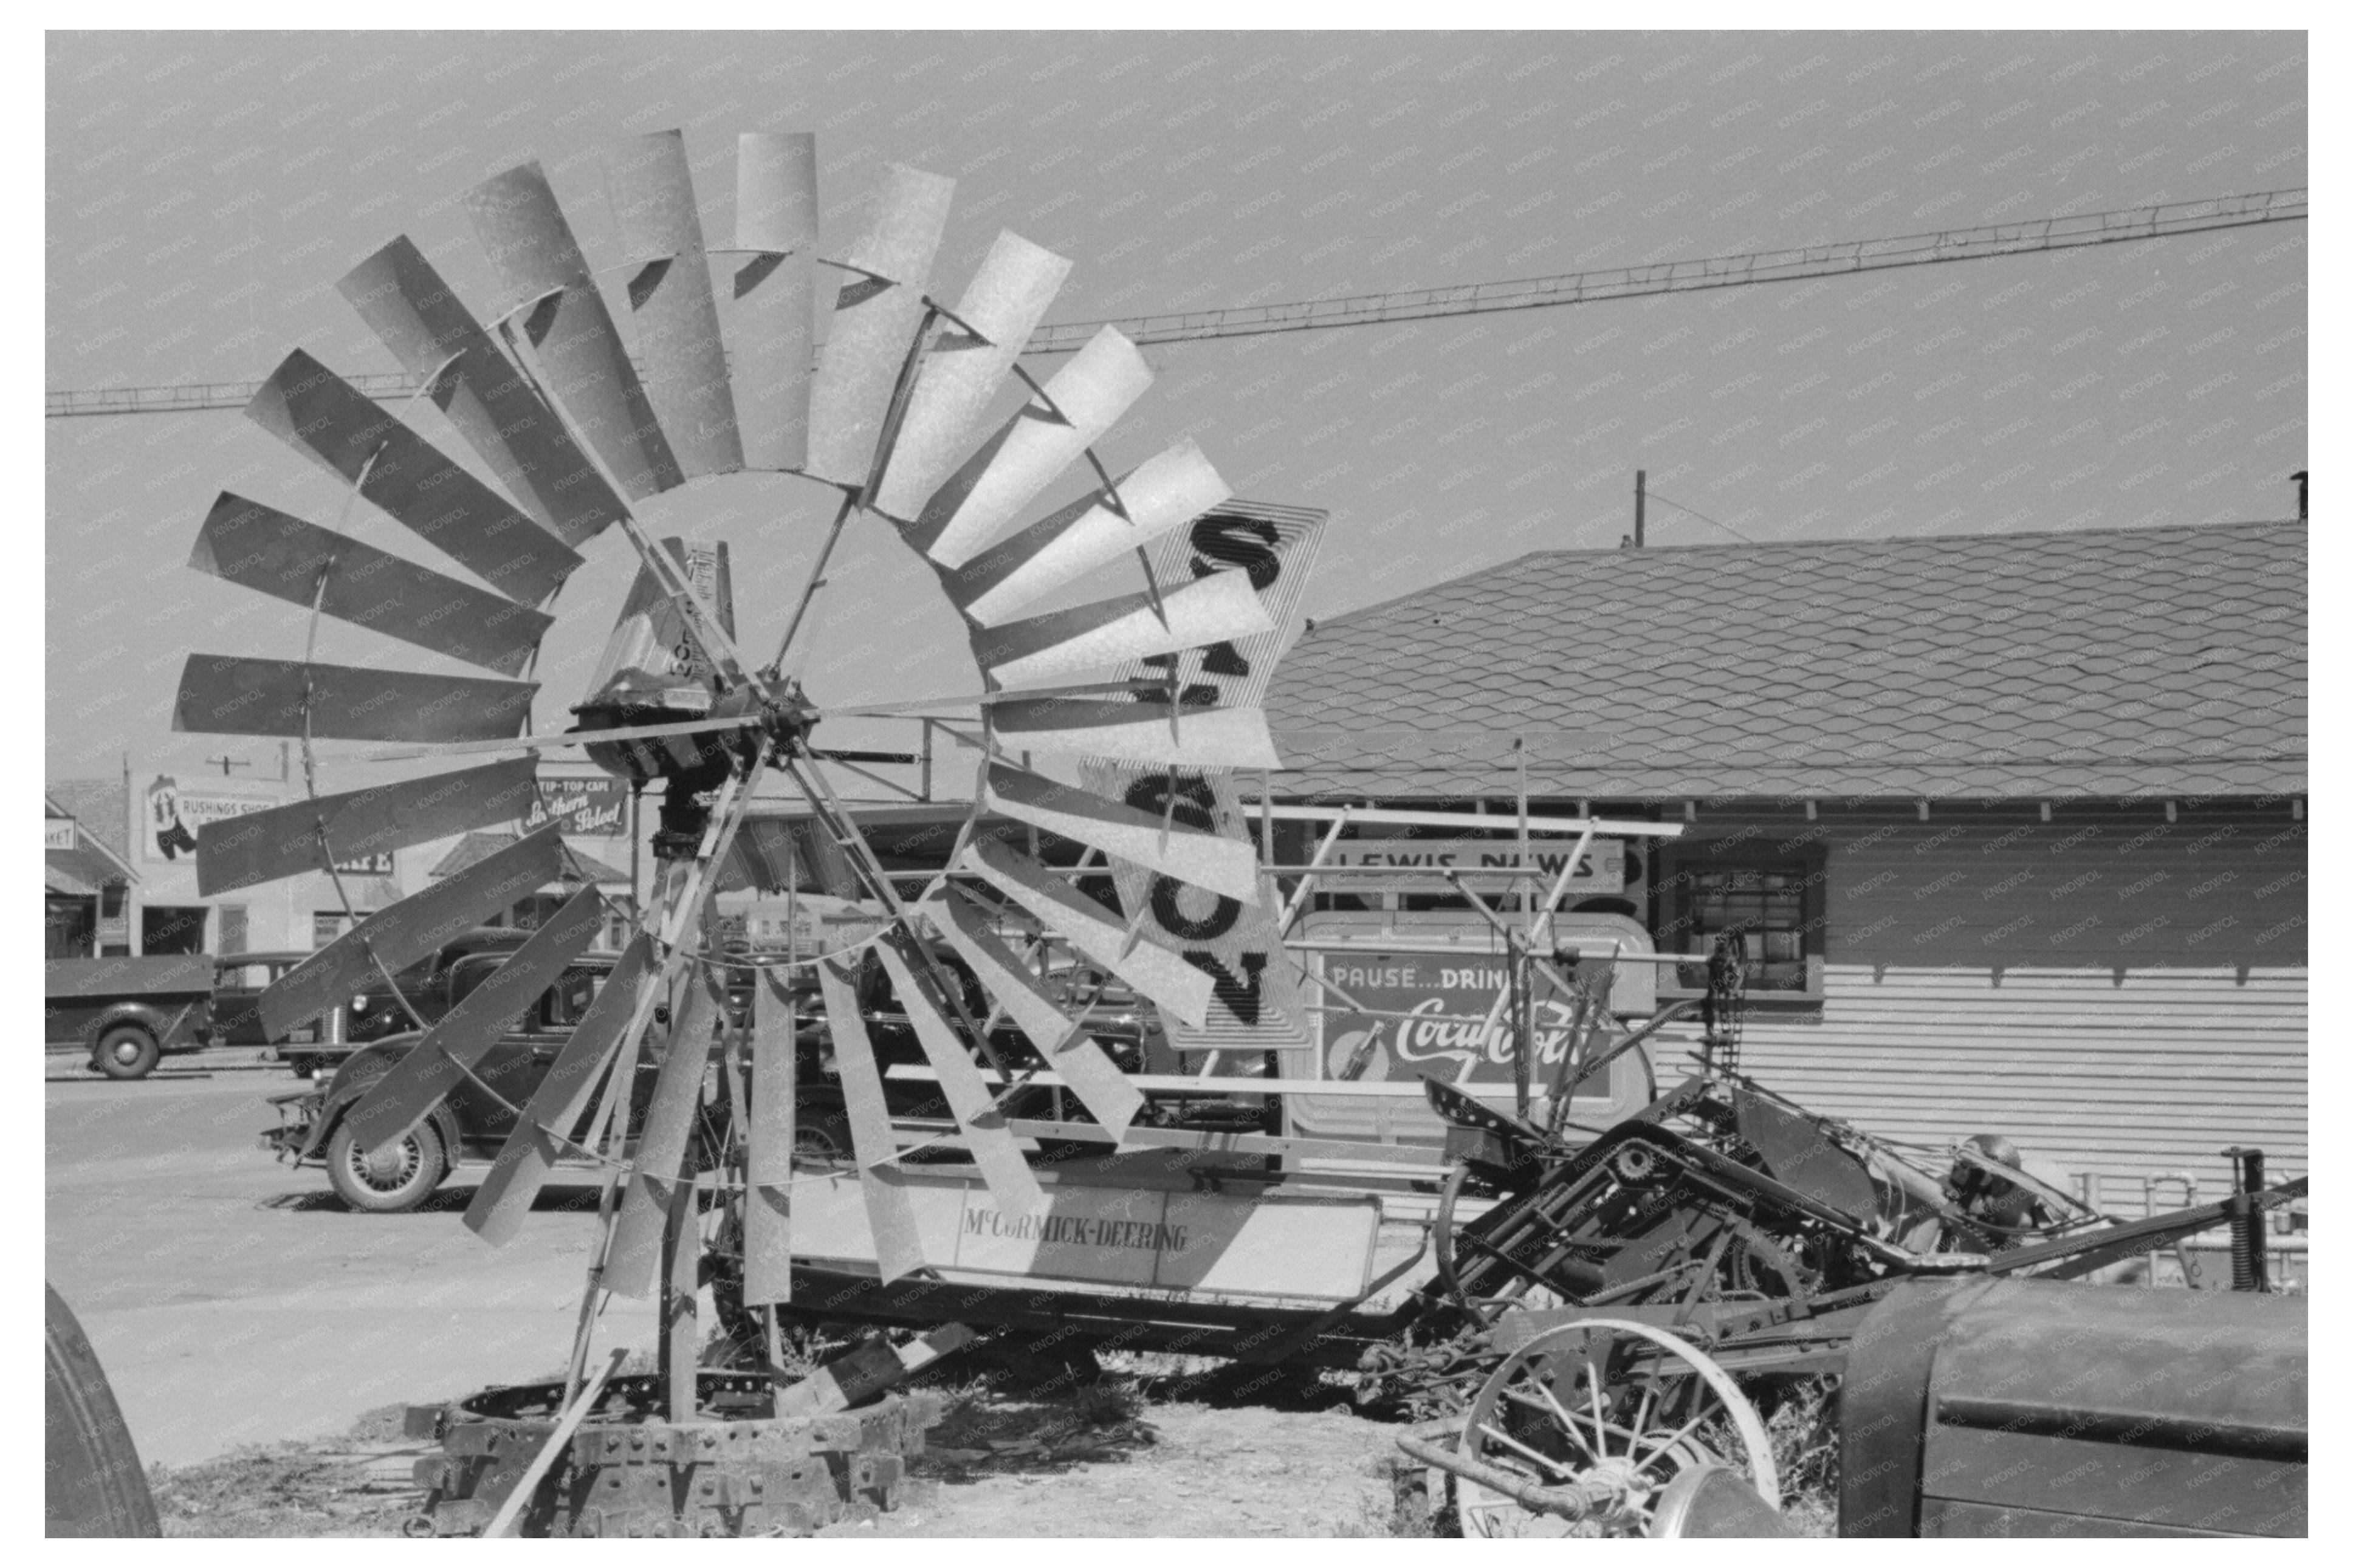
{"x":2117,"y":993}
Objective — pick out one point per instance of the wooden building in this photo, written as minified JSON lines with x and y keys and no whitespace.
{"x":2012,"y":826}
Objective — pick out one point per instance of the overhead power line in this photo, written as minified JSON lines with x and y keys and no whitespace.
{"x":1838,"y":258}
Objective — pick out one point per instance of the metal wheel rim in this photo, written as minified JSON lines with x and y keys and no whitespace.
{"x":1662,"y":1452}
{"x":406,"y":1156}
{"x":128,"y":1050}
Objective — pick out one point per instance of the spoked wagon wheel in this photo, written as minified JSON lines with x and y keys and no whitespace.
{"x":1605,"y":1401}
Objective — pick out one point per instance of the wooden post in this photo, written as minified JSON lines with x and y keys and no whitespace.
{"x":1522,"y":1018}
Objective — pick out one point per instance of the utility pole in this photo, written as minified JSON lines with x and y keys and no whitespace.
{"x":1640,"y":479}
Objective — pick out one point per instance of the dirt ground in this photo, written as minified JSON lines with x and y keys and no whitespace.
{"x":1107,"y":1461}
{"x":257,"y":1337}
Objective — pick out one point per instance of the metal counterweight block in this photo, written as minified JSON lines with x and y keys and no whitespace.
{"x":740,"y":1473}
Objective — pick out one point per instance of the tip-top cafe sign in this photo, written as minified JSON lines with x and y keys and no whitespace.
{"x":1601,"y":868}
{"x":587,"y":808}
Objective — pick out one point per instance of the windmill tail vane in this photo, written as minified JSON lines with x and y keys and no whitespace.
{"x":1141,"y":704}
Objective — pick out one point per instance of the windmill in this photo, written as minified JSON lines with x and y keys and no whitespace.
{"x":1145,"y":700}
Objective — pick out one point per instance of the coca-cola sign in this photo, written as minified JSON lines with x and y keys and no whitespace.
{"x":1426,"y":1017}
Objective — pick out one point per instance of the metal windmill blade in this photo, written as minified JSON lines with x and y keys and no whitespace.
{"x":672,"y":302}
{"x":338,"y":427}
{"x":962,"y":373}
{"x":772,"y":314}
{"x":1255,"y":1004}
{"x":581,"y":357}
{"x":877,"y":318}
{"x":1162,"y":493}
{"x":1031,"y":450}
{"x":890,"y":413}
{"x":489,"y":400}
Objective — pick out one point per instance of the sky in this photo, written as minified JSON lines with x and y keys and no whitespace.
{"x":204,"y":192}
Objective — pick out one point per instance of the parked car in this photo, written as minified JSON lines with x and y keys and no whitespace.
{"x":128,"y":1012}
{"x":432,"y":986}
{"x":472,"y":1124}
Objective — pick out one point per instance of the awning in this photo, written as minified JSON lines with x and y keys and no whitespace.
{"x":64,"y":881}
{"x":84,"y":868}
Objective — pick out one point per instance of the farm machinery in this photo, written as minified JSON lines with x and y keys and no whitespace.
{"x":1580,"y":1274}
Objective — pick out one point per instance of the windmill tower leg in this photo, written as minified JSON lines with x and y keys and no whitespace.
{"x":682,"y":1340}
{"x":681,"y":1242}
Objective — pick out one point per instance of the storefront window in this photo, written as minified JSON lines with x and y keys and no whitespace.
{"x":1772,"y":907}
{"x":173,"y":928}
{"x":326,"y":925}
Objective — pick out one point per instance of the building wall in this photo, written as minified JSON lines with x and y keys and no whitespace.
{"x":2117,"y":993}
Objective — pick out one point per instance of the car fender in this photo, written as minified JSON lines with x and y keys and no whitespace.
{"x":148,"y":1016}
{"x":351,"y":1083}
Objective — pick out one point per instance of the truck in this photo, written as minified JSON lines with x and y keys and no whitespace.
{"x":130,"y":1012}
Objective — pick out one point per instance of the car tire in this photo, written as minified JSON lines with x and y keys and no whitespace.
{"x":126,"y":1051}
{"x":400,"y":1179}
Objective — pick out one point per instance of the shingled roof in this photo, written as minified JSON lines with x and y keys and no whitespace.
{"x":2148,"y":661}
{"x":475,"y":847}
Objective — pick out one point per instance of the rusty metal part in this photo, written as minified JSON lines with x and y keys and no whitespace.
{"x":1575,"y":1502}
{"x":2250,"y":1263}
{"x":738,"y":1471}
{"x":1611,"y":1409}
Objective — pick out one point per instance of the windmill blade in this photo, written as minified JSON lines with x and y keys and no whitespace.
{"x":774,"y":318}
{"x":1007,"y":299}
{"x":1063,"y":1043}
{"x":1211,"y":737}
{"x":768,"y":1155}
{"x":890,"y":1213}
{"x":399,"y":936}
{"x":669,"y":297}
{"x":329,"y":420}
{"x":1087,"y":397}
{"x":450,"y":1049}
{"x":559,"y":1103}
{"x":492,"y":404}
{"x":1257,"y":1005}
{"x":1160,"y":494}
{"x":261,"y":548}
{"x":224,"y":695}
{"x":985,"y":699}
{"x":1010,"y":1181}
{"x":1219,"y":607}
{"x":563,"y":739}
{"x":875,"y":320}
{"x":286,"y":840}
{"x":633,"y":1262}
{"x":1224,"y":866}
{"x":527,"y":238}
{"x":1157,"y":971}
